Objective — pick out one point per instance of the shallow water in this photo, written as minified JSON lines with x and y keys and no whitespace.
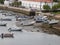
{"x":27,"y":38}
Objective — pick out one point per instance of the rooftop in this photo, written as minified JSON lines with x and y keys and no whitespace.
{"x":40,"y":0}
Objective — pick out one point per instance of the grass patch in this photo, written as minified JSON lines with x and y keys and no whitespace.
{"x":55,"y":13}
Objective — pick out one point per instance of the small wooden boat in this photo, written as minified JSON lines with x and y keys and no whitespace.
{"x":7,"y":35}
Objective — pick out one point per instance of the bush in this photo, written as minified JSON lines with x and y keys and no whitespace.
{"x":55,"y":0}
{"x":16,"y":4}
{"x":2,"y":1}
{"x":46,"y":7}
{"x":56,"y":6}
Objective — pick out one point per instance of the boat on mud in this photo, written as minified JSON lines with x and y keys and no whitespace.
{"x":15,"y":29}
{"x":6,"y":35}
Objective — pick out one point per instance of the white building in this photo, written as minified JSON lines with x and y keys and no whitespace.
{"x":37,"y":4}
{"x":7,"y":2}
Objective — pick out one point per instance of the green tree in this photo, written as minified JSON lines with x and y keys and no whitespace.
{"x":46,"y":7}
{"x":1,"y":1}
{"x":56,"y":6}
{"x":56,"y":0}
{"x":16,"y":4}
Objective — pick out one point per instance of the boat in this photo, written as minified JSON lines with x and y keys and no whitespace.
{"x":40,"y":18}
{"x":6,"y":35}
{"x":21,"y":19}
{"x":6,"y":19}
{"x":53,"y":21}
{"x":27,"y":23}
{"x":4,"y":14}
{"x":3,"y":24}
{"x":7,"y":14}
{"x":14,"y":29}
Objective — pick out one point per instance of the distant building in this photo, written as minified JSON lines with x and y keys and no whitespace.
{"x":7,"y":2}
{"x":36,"y":3}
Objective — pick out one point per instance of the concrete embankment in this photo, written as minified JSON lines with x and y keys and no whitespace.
{"x":15,"y":9}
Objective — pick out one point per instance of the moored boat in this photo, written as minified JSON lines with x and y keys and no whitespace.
{"x":14,"y":29}
{"x":6,"y":35}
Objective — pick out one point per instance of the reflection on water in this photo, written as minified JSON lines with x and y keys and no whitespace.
{"x":27,"y":38}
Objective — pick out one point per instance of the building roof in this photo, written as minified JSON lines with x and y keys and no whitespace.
{"x":40,"y":0}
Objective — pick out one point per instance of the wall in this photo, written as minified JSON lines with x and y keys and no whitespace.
{"x":15,"y":9}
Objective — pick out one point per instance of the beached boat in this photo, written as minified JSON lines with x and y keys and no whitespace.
{"x":40,"y":18}
{"x":3,"y":24}
{"x":14,"y":29}
{"x":53,"y":21}
{"x":22,"y":18}
{"x":8,"y":14}
{"x":5,"y":19}
{"x":6,"y":35}
{"x":27,"y":23}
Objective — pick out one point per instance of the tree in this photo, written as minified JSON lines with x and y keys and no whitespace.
{"x":2,"y":1}
{"x":56,"y":0}
{"x":56,"y":6}
{"x":46,"y":7}
{"x":16,"y":4}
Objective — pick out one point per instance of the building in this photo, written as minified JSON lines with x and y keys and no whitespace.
{"x":37,"y":4}
{"x":7,"y":2}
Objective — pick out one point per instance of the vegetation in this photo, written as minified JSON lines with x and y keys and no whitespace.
{"x":56,"y":6}
{"x":56,"y":0}
{"x":46,"y":7}
{"x":1,"y":1}
{"x":16,"y":4}
{"x":55,"y":13}
{"x":54,"y":10}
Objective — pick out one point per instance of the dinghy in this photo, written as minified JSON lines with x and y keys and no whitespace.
{"x":6,"y":35}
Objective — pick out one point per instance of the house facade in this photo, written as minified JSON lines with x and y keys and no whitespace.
{"x":7,"y":2}
{"x":37,"y":4}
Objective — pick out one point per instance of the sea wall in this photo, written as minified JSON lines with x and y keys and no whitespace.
{"x":15,"y":9}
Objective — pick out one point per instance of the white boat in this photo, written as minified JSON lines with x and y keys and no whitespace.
{"x":40,"y":18}
{"x":27,"y":23}
{"x":53,"y":21}
{"x":3,"y":24}
{"x":15,"y":29}
{"x":21,"y":19}
{"x":6,"y":18}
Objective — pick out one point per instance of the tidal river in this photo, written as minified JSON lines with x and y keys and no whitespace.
{"x":26,"y":38}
